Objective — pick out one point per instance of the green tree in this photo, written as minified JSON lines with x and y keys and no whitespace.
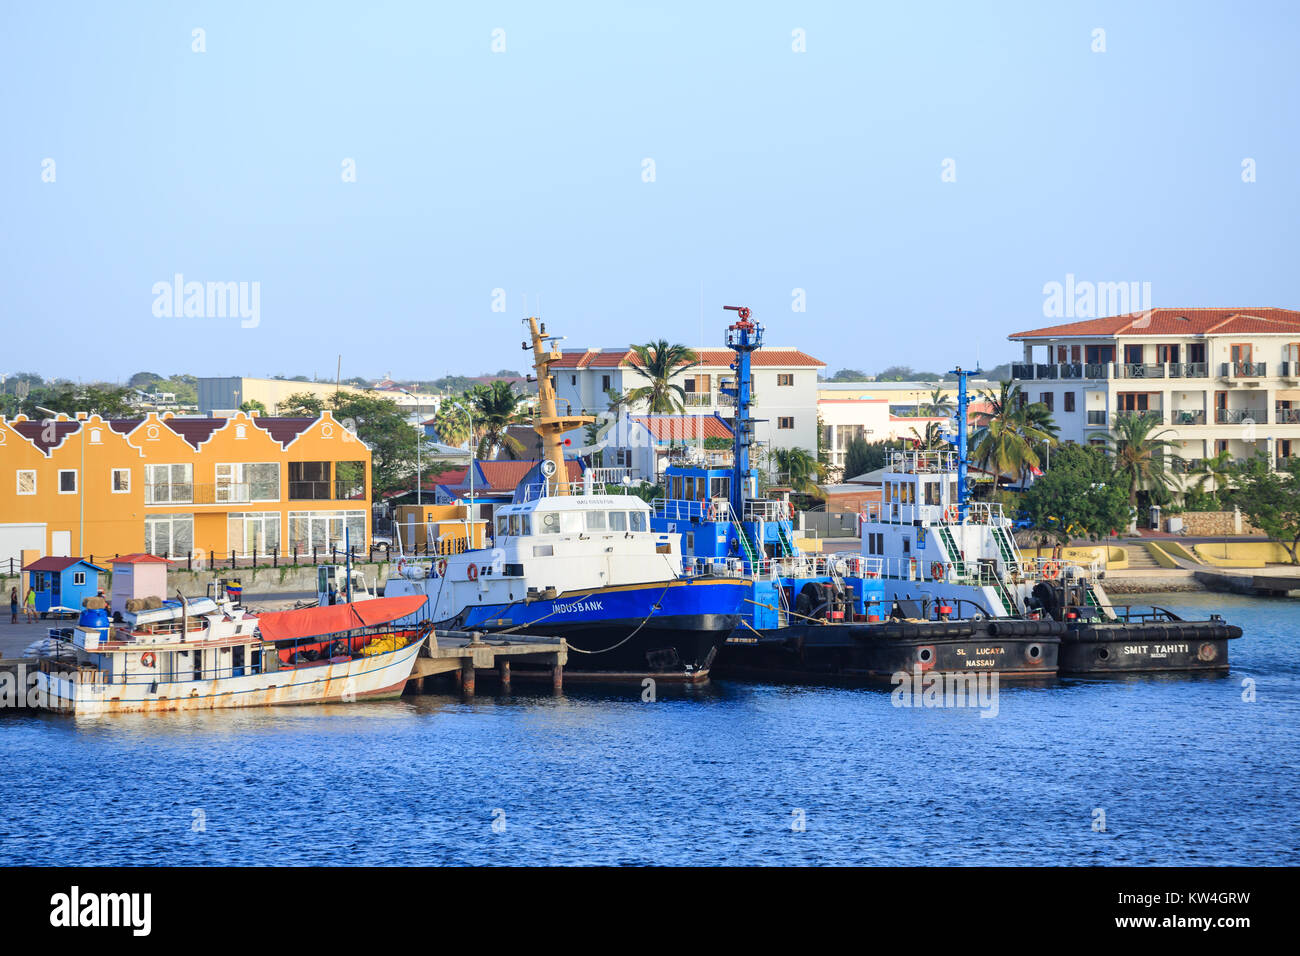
{"x":661,"y":363}
{"x":253,"y":406}
{"x":861,"y":457}
{"x":302,"y":405}
{"x":392,"y":440}
{"x":1013,"y":433}
{"x":932,"y":439}
{"x":1212,"y":476}
{"x":1079,"y":496}
{"x":797,"y":468}
{"x":109,"y":401}
{"x":1271,"y":500}
{"x":451,"y":422}
{"x":1142,"y":456}
{"x":495,"y":407}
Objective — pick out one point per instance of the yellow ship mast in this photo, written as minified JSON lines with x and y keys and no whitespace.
{"x":549,"y":425}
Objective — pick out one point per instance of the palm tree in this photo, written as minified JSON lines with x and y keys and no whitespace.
{"x":939,"y":406}
{"x":451,"y":423}
{"x":799,"y":468}
{"x":1010,"y":439}
{"x":932,"y":439}
{"x":1214,"y":474}
{"x":495,"y":407}
{"x":661,"y":363}
{"x":1142,"y":456}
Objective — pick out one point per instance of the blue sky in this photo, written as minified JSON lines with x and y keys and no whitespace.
{"x":522,"y":170}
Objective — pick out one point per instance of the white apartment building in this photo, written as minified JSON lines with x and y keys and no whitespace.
{"x":785,"y":388}
{"x":1219,"y":379}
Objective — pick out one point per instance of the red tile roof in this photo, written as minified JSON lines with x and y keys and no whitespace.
{"x":139,"y":558}
{"x":506,"y":475}
{"x":684,"y":427}
{"x":1178,"y":322}
{"x":57,"y":564}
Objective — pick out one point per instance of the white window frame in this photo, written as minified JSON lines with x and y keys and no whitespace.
{"x":78,"y":578}
{"x":18,"y":481}
{"x":112,"y":481}
{"x":76,"y":481}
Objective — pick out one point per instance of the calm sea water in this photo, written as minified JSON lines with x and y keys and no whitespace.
{"x":1185,"y":770}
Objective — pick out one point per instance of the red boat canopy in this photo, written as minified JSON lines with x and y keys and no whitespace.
{"x":319,"y":621}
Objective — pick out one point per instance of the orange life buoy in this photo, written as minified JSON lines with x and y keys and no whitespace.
{"x":936,"y":570}
{"x":472,"y":572}
{"x":441,"y":566}
{"x":1052,"y":570}
{"x":952,"y":513}
{"x":147,"y":659}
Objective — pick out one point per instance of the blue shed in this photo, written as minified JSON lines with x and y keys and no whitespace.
{"x":61,"y":583}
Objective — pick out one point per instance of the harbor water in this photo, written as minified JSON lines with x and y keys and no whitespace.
{"x":1186,"y":770}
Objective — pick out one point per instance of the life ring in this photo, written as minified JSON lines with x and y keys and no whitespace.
{"x":937,"y":570}
{"x":401,"y":563}
{"x":952,"y":514}
{"x":472,"y":572}
{"x":147,"y":659}
{"x":441,"y":567}
{"x":1051,"y":570}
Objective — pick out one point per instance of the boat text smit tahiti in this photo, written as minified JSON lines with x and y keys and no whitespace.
{"x":937,"y":547}
{"x":572,"y":560}
{"x":814,"y":615}
{"x":203,"y":654}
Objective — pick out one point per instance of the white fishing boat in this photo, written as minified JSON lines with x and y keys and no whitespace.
{"x":203,"y":654}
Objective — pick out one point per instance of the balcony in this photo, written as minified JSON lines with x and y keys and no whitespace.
{"x":1243,"y":370}
{"x":698,"y":399}
{"x":1022,"y":370}
{"x":1239,"y":416}
{"x":1189,"y":369}
{"x":1185,"y":466}
{"x":1180,"y":416}
{"x":1289,"y":370}
{"x":1286,"y":416}
{"x":1139,"y":370}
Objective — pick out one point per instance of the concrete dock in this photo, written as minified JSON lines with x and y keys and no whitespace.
{"x":462,"y":653}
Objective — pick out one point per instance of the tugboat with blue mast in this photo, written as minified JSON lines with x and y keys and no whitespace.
{"x":818,"y":616}
{"x":575,"y":560}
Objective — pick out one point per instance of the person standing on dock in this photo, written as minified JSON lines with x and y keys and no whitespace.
{"x":29,"y":606}
{"x":13,"y":605}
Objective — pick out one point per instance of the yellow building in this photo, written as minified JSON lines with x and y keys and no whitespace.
{"x":175,"y":486}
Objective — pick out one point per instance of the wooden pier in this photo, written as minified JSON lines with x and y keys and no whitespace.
{"x":463,"y":652}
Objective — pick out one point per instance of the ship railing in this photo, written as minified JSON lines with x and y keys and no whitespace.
{"x":1047,"y":567}
{"x":538,"y":489}
{"x":893,"y":512}
{"x":922,"y":462}
{"x":798,"y":566}
{"x":766,"y":509}
{"x":685,"y":509}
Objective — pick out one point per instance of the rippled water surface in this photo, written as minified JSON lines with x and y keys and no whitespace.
{"x":1184,"y":769}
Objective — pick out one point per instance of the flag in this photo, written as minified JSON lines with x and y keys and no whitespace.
{"x":1035,"y":471}
{"x":234,"y":591}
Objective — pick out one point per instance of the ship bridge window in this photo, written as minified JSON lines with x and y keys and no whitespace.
{"x":637,"y":522}
{"x":550,"y":523}
{"x":595,"y":521}
{"x":932,"y":492}
{"x":720,"y":487}
{"x":571,"y":522}
{"x":503,"y":525}
{"x":618,"y":521}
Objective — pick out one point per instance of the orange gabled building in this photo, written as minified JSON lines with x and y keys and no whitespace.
{"x":178,"y":486}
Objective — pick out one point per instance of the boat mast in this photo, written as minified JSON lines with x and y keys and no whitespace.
{"x":963,"y":403}
{"x":743,"y":337}
{"x":550,"y":427}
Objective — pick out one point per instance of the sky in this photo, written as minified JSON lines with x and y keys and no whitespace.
{"x":402,"y":183}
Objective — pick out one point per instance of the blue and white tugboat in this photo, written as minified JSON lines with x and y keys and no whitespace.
{"x":817,"y":616}
{"x":572,"y":560}
{"x":939,"y":549}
